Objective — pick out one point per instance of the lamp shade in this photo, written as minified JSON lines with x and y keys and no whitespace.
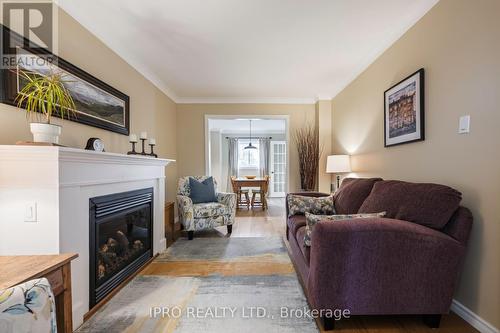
{"x":338,"y":164}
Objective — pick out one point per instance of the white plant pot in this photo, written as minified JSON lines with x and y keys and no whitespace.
{"x":45,"y":132}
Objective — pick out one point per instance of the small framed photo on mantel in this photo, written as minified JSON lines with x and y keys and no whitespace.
{"x":404,"y":111}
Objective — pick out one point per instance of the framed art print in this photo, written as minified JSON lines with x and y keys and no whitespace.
{"x":96,"y":102}
{"x":404,"y":111}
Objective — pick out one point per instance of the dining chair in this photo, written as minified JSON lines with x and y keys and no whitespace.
{"x":261,"y":193}
{"x":242,"y":195}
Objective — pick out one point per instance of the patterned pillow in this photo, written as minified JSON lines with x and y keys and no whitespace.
{"x":312,"y":219}
{"x":299,"y":205}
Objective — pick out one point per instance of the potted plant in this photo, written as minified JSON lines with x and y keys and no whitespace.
{"x":43,"y":96}
{"x":307,"y":142}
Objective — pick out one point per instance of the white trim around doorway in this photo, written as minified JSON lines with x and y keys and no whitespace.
{"x":286,"y":118}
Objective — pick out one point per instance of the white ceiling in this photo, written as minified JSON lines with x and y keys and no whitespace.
{"x":242,"y":126}
{"x":248,"y":50}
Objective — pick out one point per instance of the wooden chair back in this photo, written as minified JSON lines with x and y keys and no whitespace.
{"x":233,"y":184}
{"x":265,"y":188}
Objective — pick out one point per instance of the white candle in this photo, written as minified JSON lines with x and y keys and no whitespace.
{"x":144,"y":135}
{"x":152,"y":141}
{"x":132,"y":138}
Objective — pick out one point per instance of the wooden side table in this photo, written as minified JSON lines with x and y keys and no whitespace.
{"x":55,"y":268}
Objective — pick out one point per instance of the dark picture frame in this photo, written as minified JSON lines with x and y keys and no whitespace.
{"x":97,"y":103}
{"x":404,"y":110}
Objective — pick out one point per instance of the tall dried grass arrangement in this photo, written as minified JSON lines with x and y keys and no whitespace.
{"x":309,"y":149}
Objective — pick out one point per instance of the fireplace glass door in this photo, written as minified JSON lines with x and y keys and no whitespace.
{"x":121,"y":239}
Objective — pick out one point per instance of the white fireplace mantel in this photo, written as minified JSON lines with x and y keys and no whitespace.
{"x":54,"y":184}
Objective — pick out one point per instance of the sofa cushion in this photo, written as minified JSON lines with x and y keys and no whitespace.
{"x":431,"y":205}
{"x":299,"y":205}
{"x":312,"y":220}
{"x":202,"y":191}
{"x":304,"y":249}
{"x":352,"y":193}
{"x":295,"y":222}
{"x":210,"y":209}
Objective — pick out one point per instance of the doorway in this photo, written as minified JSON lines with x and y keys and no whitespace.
{"x":268,"y":156}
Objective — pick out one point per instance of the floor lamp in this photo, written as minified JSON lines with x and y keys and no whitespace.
{"x":338,"y":164}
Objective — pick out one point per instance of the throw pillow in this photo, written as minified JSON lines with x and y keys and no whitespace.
{"x":202,"y":191}
{"x":300,"y":204}
{"x":312,"y":220}
{"x":351,"y":194}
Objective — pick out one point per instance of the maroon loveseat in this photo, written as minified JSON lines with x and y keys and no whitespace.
{"x":405,"y":263}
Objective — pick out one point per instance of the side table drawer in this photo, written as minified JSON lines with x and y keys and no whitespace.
{"x":56,"y":281}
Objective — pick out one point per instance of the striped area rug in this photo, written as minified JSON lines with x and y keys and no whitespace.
{"x":211,"y":285}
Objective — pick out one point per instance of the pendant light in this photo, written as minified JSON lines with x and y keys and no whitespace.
{"x":250,"y":146}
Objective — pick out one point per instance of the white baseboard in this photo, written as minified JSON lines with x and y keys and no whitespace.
{"x":473,"y":319}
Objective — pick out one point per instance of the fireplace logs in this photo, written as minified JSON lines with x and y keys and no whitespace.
{"x":122,"y":241}
{"x":116,"y":252}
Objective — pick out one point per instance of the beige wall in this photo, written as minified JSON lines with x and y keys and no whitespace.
{"x":324,"y":128}
{"x":150,"y":109}
{"x":457,"y":43}
{"x":191,"y":131}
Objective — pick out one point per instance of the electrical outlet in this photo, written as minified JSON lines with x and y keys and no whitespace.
{"x":30,"y":212}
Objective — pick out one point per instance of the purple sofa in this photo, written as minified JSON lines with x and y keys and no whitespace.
{"x":405,"y":263}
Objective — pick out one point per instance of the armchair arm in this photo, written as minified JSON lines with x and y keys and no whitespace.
{"x":186,"y":212}
{"x":228,"y":199}
{"x":29,"y":306}
{"x":382,"y":266}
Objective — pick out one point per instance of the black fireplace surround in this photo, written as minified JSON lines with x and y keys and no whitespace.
{"x":120,"y":242}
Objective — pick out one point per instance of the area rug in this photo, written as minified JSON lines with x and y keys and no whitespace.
{"x":211,"y":285}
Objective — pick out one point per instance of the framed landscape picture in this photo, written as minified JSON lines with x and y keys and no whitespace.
{"x":97,"y":103}
{"x":404,"y":111}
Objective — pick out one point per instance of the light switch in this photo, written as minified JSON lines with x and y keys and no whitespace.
{"x":30,"y":212}
{"x":464,"y":124}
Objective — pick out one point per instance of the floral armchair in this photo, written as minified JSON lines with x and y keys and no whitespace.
{"x":28,"y":307}
{"x":204,"y":215}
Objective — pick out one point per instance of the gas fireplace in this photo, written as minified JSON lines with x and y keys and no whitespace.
{"x":121,"y":230}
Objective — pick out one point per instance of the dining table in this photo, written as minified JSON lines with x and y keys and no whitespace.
{"x":259,"y":182}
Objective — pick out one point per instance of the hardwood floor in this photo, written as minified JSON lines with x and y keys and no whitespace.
{"x":254,"y":222}
{"x":259,"y":223}
{"x":399,"y":324}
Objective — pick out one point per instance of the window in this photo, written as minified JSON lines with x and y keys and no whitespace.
{"x":248,"y":158}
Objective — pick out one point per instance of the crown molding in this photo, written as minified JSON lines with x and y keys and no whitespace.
{"x":323,"y":98}
{"x":245,"y":100}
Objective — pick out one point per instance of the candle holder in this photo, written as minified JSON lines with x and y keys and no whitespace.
{"x":132,"y":152}
{"x":143,"y":147}
{"x":152,"y":152}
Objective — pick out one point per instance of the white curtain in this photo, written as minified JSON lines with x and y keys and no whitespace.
{"x":232,"y":167}
{"x":264,"y":147}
